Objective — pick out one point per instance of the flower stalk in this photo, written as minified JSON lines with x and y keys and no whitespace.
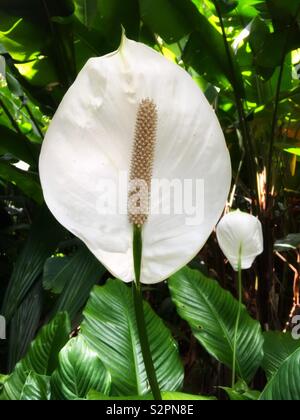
{"x":238,"y":317}
{"x":139,"y":313}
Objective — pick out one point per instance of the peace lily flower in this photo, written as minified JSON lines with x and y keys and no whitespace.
{"x":134,"y":112}
{"x":240,"y":232}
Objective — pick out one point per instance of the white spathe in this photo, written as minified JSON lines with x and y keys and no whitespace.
{"x":89,"y":142}
{"x":240,"y":231}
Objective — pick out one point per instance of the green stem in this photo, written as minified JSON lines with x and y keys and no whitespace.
{"x":273,"y":131}
{"x":140,"y":316}
{"x":238,"y":317}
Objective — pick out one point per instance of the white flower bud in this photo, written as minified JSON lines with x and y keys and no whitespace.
{"x":240,"y":231}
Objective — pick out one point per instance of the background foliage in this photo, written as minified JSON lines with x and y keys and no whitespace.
{"x":245,"y":56}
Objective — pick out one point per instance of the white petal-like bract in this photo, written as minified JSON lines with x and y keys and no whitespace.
{"x":240,"y":231}
{"x":87,"y":151}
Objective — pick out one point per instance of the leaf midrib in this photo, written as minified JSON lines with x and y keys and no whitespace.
{"x":221,"y":324}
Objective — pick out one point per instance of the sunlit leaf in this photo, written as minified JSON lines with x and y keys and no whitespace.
{"x":293,"y":150}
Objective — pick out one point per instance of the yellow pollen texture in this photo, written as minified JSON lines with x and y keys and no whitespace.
{"x":142,"y":162}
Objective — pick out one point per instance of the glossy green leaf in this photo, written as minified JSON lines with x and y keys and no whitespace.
{"x":24,"y":325}
{"x":259,"y":32}
{"x":205,"y":52}
{"x":21,"y":38}
{"x":290,"y":242}
{"x":36,"y":388}
{"x":169,"y":396}
{"x":17,"y":145}
{"x":43,"y":239}
{"x":86,"y":11}
{"x":14,"y":86}
{"x":107,"y":16}
{"x":110,"y":329}
{"x":211,"y":313}
{"x":79,"y":371}
{"x":283,"y":12}
{"x":171,"y":19}
{"x":285,"y":384}
{"x":278,"y":347}
{"x":42,"y":357}
{"x":248,"y":8}
{"x":53,"y":278}
{"x":26,"y":181}
{"x":293,"y":150}
{"x":3,"y":378}
{"x":77,"y":277}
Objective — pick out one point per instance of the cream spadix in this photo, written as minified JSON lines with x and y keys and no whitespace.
{"x":96,"y":136}
{"x":142,"y":162}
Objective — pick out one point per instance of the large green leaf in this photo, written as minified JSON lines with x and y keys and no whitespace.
{"x":20,"y":37}
{"x":211,"y":313}
{"x":247,"y":8}
{"x":205,"y":52}
{"x":171,"y":19}
{"x":107,"y":16}
{"x":79,"y":370}
{"x":86,"y":11}
{"x":53,"y":280}
{"x":78,"y":275}
{"x":283,"y":12}
{"x":24,"y":325}
{"x":42,"y":357}
{"x":44,"y":237}
{"x":278,"y":347}
{"x":285,"y":384}
{"x":259,"y":32}
{"x":110,"y":329}
{"x":17,"y":145}
{"x":26,"y":181}
{"x":94,"y":395}
{"x":36,"y":388}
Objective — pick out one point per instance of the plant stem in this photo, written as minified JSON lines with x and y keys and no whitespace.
{"x":273,"y":132}
{"x":140,"y":316}
{"x":238,"y":317}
